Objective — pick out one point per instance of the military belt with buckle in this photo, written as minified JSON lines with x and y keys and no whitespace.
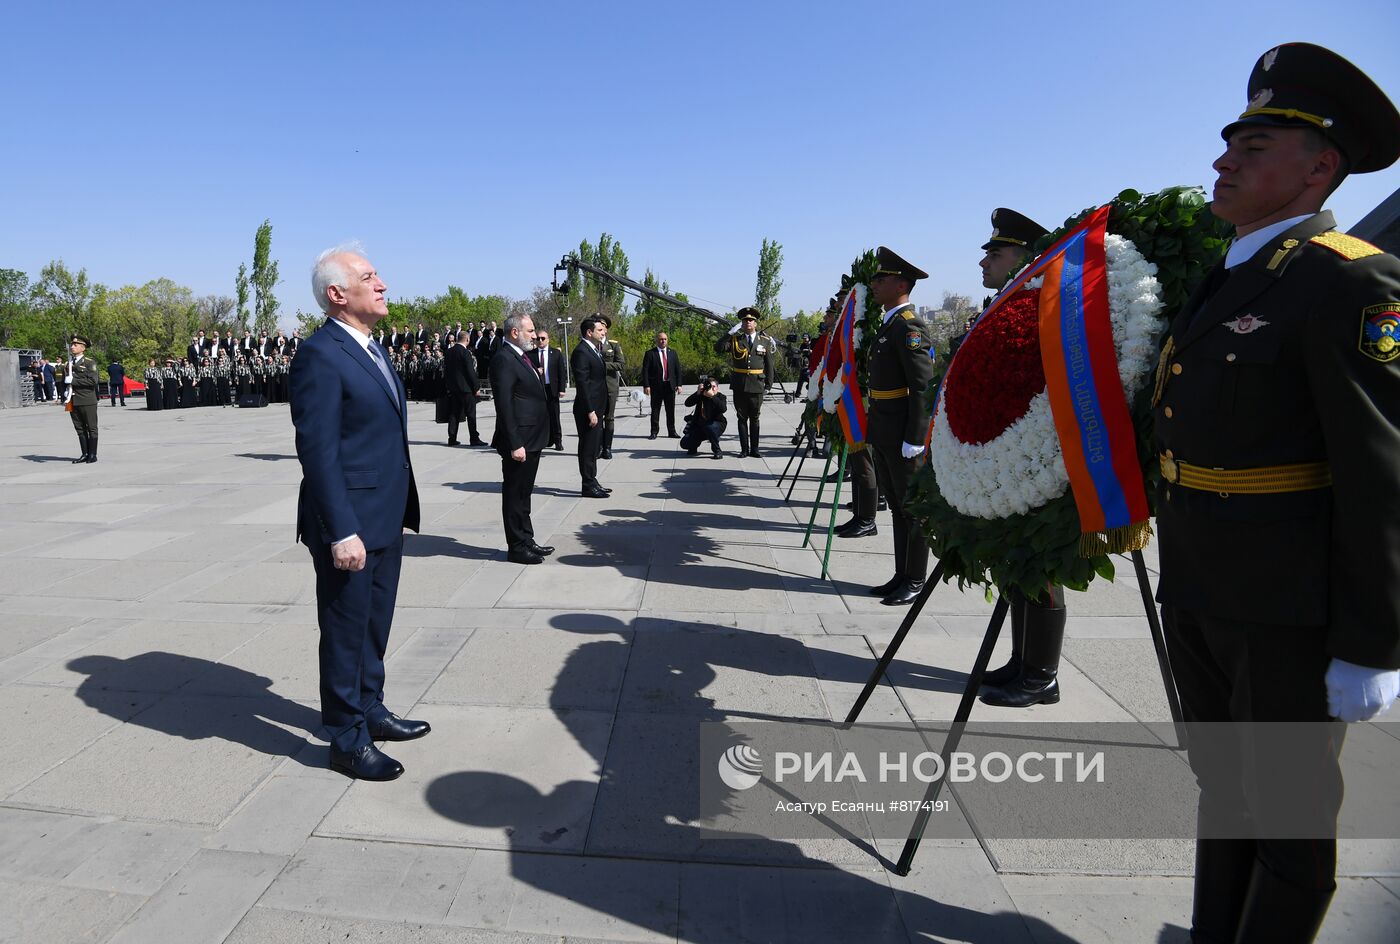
{"x":1263,"y":480}
{"x":897,"y":394}
{"x":743,"y":370}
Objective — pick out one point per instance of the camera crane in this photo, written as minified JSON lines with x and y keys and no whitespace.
{"x":571,"y":265}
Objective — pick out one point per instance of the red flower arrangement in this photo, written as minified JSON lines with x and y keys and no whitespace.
{"x":997,"y":371}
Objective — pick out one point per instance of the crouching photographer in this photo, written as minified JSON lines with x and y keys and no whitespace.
{"x":707,"y":421}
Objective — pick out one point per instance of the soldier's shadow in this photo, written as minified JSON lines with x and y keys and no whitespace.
{"x":643,"y":814}
{"x":202,"y":700}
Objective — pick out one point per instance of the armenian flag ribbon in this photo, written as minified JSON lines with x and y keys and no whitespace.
{"x":850,"y":409}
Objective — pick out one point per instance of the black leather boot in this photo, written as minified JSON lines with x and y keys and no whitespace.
{"x":606,"y":451}
{"x":1223,"y":871}
{"x":92,"y":449}
{"x":1012,"y":669}
{"x":743,"y":437}
{"x":1038,"y":683}
{"x":83,"y":445}
{"x":753,"y":438}
{"x":904,"y":594}
{"x":1279,"y":912}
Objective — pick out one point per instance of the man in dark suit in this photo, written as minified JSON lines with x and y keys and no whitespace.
{"x":661,"y":380}
{"x":522,"y":429}
{"x":550,"y":363}
{"x":195,"y":352}
{"x":590,"y":404}
{"x":116,"y":382}
{"x":357,"y":498}
{"x":459,"y":377}
{"x":423,"y":335}
{"x":248,"y":345}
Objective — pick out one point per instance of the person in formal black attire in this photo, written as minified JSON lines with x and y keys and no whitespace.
{"x":170,"y":385}
{"x":195,"y":352}
{"x":223,"y":381}
{"x":189,"y":384}
{"x":590,"y":404}
{"x":264,"y":344}
{"x":207,"y":386}
{"x":461,"y":384}
{"x":152,"y":378}
{"x":522,"y":429}
{"x":423,"y":334}
{"x":116,"y":382}
{"x":661,"y":380}
{"x":707,"y":422}
{"x":246,"y":344}
{"x":294,"y":340}
{"x":550,"y":363}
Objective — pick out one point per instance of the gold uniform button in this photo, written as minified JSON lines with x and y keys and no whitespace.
{"x":1230,"y":358}
{"x":1176,"y":368}
{"x":1168,"y":412}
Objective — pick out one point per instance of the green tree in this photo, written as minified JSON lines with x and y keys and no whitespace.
{"x":240,"y":288}
{"x":765,"y":296}
{"x":215,"y":313}
{"x":64,"y":299}
{"x":264,"y":280}
{"x":19,"y":324}
{"x":308,"y":322}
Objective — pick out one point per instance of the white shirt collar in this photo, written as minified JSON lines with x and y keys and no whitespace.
{"x":515,"y":347}
{"x":355,"y":333}
{"x":896,"y":310}
{"x":1244,"y":248}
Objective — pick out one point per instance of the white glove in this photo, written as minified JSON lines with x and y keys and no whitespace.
{"x":735,"y":329}
{"x":1359,"y":692}
{"x":909,"y":451}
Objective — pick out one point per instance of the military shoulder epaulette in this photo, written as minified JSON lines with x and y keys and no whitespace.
{"x":1348,"y":247}
{"x":908,"y":315}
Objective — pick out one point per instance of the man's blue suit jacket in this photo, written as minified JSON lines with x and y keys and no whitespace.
{"x":352,"y":440}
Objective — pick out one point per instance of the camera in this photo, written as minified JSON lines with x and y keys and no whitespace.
{"x":792,"y":338}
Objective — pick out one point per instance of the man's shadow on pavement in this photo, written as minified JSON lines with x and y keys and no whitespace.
{"x":224,"y":702}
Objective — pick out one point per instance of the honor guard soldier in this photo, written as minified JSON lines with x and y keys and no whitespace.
{"x":750,"y":375}
{"x":81,"y":398}
{"x":1031,"y":677}
{"x":1277,"y":424}
{"x":900,"y":371}
{"x":614,"y":365}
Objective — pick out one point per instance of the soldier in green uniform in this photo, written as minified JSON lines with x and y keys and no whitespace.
{"x":614,"y":366}
{"x":1031,"y":676}
{"x":81,"y":397}
{"x":900,"y":371}
{"x":750,"y":357}
{"x":1277,"y":424}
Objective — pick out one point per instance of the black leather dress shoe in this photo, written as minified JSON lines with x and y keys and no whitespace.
{"x":394,"y":728}
{"x":904,"y":594}
{"x":605,"y":454}
{"x":716,"y":455}
{"x":367,"y":763}
{"x":478,"y":441}
{"x":544,"y":550}
{"x":558,"y":447}
{"x":755,"y":454}
{"x":452,"y":442}
{"x":888,"y":586}
{"x":524,"y":556}
{"x":673,"y":435}
{"x":652,"y":436}
{"x":860,"y":529}
{"x":593,"y":493}
{"x":743,"y":453}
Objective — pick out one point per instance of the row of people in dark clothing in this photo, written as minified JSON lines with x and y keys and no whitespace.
{"x":215,"y":382}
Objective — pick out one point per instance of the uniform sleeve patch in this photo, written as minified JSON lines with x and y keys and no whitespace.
{"x":914,"y":341}
{"x":1380,"y":332}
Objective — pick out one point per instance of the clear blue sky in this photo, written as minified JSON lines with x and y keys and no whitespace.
{"x":474,"y":143}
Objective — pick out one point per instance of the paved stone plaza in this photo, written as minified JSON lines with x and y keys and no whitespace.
{"x":163,"y":780}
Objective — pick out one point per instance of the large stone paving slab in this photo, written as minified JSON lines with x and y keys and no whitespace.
{"x":486,"y":777}
{"x":185,"y":760}
{"x":567,"y":669}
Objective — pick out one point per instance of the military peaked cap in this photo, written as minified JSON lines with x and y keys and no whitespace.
{"x":1010,"y":228}
{"x":1299,"y":85}
{"x":892,"y":264}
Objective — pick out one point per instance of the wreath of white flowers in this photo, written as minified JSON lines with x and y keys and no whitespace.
{"x":1023,"y":468}
{"x":830,"y":391}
